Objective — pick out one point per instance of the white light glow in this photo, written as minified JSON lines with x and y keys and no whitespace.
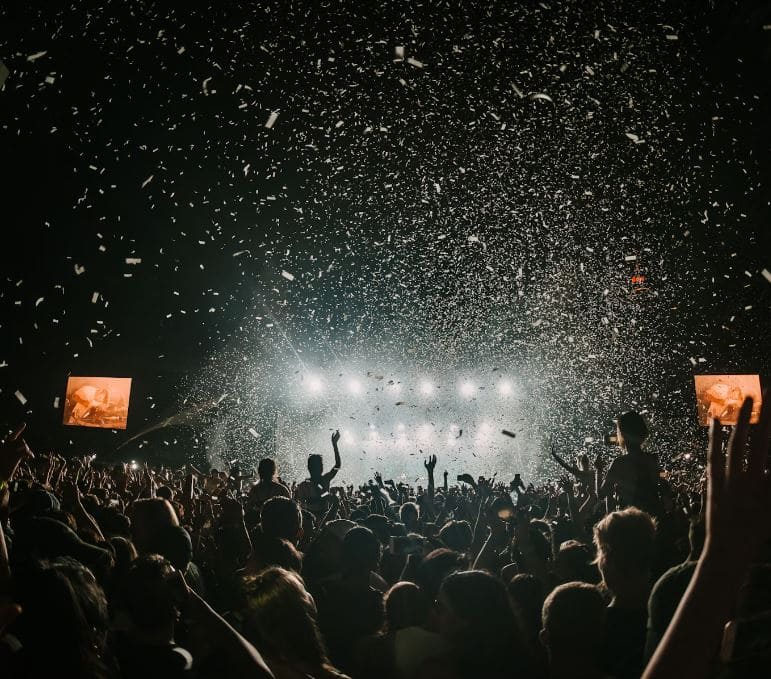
{"x":467,"y":389}
{"x":314,"y":384}
{"x":426,"y":388}
{"x":354,"y":386}
{"x":504,"y":388}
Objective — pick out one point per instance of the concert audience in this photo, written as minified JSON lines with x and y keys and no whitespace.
{"x":115,"y":571}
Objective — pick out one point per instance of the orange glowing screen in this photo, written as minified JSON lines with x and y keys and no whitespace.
{"x":721,"y":396}
{"x":97,"y":402}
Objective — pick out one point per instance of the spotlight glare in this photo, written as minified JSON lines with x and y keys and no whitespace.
{"x":427,"y":388}
{"x":354,"y":386}
{"x":504,"y":388}
{"x":467,"y":389}
{"x":314,"y":384}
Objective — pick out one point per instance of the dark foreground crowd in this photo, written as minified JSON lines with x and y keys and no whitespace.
{"x":115,"y":571}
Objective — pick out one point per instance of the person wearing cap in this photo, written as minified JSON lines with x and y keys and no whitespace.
{"x":635,"y":475}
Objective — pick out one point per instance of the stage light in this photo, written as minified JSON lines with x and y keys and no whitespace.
{"x":400,"y":427}
{"x":504,"y":388}
{"x":467,"y":389}
{"x":426,"y":388}
{"x":314,"y":384}
{"x":347,"y":437}
{"x":354,"y":386}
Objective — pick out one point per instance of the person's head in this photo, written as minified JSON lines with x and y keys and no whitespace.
{"x":526,"y":597}
{"x":457,"y":535}
{"x":573,"y":622}
{"x":149,"y":516}
{"x":361,"y":551}
{"x":315,"y":465}
{"x":174,"y":544}
{"x":574,"y":562}
{"x":435,"y":567}
{"x":280,"y":618}
{"x":165,"y":492}
{"x":266,"y":469}
{"x":281,"y":518}
{"x":63,"y":624}
{"x":148,"y":595}
{"x":475,"y":618}
{"x":625,"y":544}
{"x":271,"y":551}
{"x":405,"y":606}
{"x":409,"y":513}
{"x":632,"y":430}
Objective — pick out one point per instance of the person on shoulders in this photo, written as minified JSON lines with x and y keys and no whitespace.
{"x":313,"y":493}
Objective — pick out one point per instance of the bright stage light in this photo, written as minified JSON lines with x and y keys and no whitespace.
{"x":504,"y":388}
{"x":426,"y":388}
{"x":400,"y":427}
{"x":354,"y":386}
{"x":467,"y":389}
{"x":314,"y":384}
{"x":347,"y":437}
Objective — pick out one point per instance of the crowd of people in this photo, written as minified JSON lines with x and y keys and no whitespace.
{"x":147,"y":571}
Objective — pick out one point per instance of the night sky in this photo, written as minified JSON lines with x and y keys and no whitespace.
{"x":230,"y":202}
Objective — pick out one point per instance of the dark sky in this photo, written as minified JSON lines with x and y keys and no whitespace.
{"x":432,"y":214}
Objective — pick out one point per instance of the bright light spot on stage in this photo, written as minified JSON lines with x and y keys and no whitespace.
{"x":347,"y":437}
{"x":467,"y":389}
{"x":452,"y":435}
{"x":426,"y":388}
{"x":483,"y":433}
{"x":505,"y":388}
{"x":400,"y":427}
{"x":354,"y":386}
{"x":314,"y":384}
{"x":425,"y":433}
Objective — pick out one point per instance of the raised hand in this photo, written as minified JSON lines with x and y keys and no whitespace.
{"x":335,"y":438}
{"x":430,"y":464}
{"x":12,"y":451}
{"x":739,"y":490}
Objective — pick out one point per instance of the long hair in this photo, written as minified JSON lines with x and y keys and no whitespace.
{"x":280,"y":619}
{"x":63,"y":625}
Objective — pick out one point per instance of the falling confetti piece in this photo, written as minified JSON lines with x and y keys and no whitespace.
{"x":148,"y":180}
{"x":21,"y":397}
{"x":133,"y":260}
{"x":508,"y":433}
{"x":37,"y":55}
{"x":271,"y":119}
{"x":56,"y":402}
{"x":4,"y":72}
{"x":766,"y":274}
{"x":254,"y":433}
{"x":541,"y":95}
{"x":287,"y":275}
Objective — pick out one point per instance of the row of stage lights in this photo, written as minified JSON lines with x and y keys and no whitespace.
{"x":421,"y":435}
{"x":467,"y":389}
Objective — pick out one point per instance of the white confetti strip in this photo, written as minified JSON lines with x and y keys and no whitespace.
{"x":37,"y":55}
{"x":148,"y":180}
{"x":21,"y":397}
{"x":766,"y":274}
{"x":287,"y":275}
{"x":271,"y":119}
{"x":56,"y":402}
{"x":133,"y":260}
{"x":254,"y":433}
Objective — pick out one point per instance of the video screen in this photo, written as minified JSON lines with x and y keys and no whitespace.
{"x":97,"y":402}
{"x":721,"y":396}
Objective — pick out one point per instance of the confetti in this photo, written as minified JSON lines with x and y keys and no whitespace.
{"x":21,"y":397}
{"x":287,"y":275}
{"x":272,"y":118}
{"x":37,"y":55}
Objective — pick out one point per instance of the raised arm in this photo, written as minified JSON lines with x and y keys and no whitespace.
{"x":335,"y":439}
{"x":430,"y":465}
{"x":565,"y":465}
{"x":738,"y":524}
